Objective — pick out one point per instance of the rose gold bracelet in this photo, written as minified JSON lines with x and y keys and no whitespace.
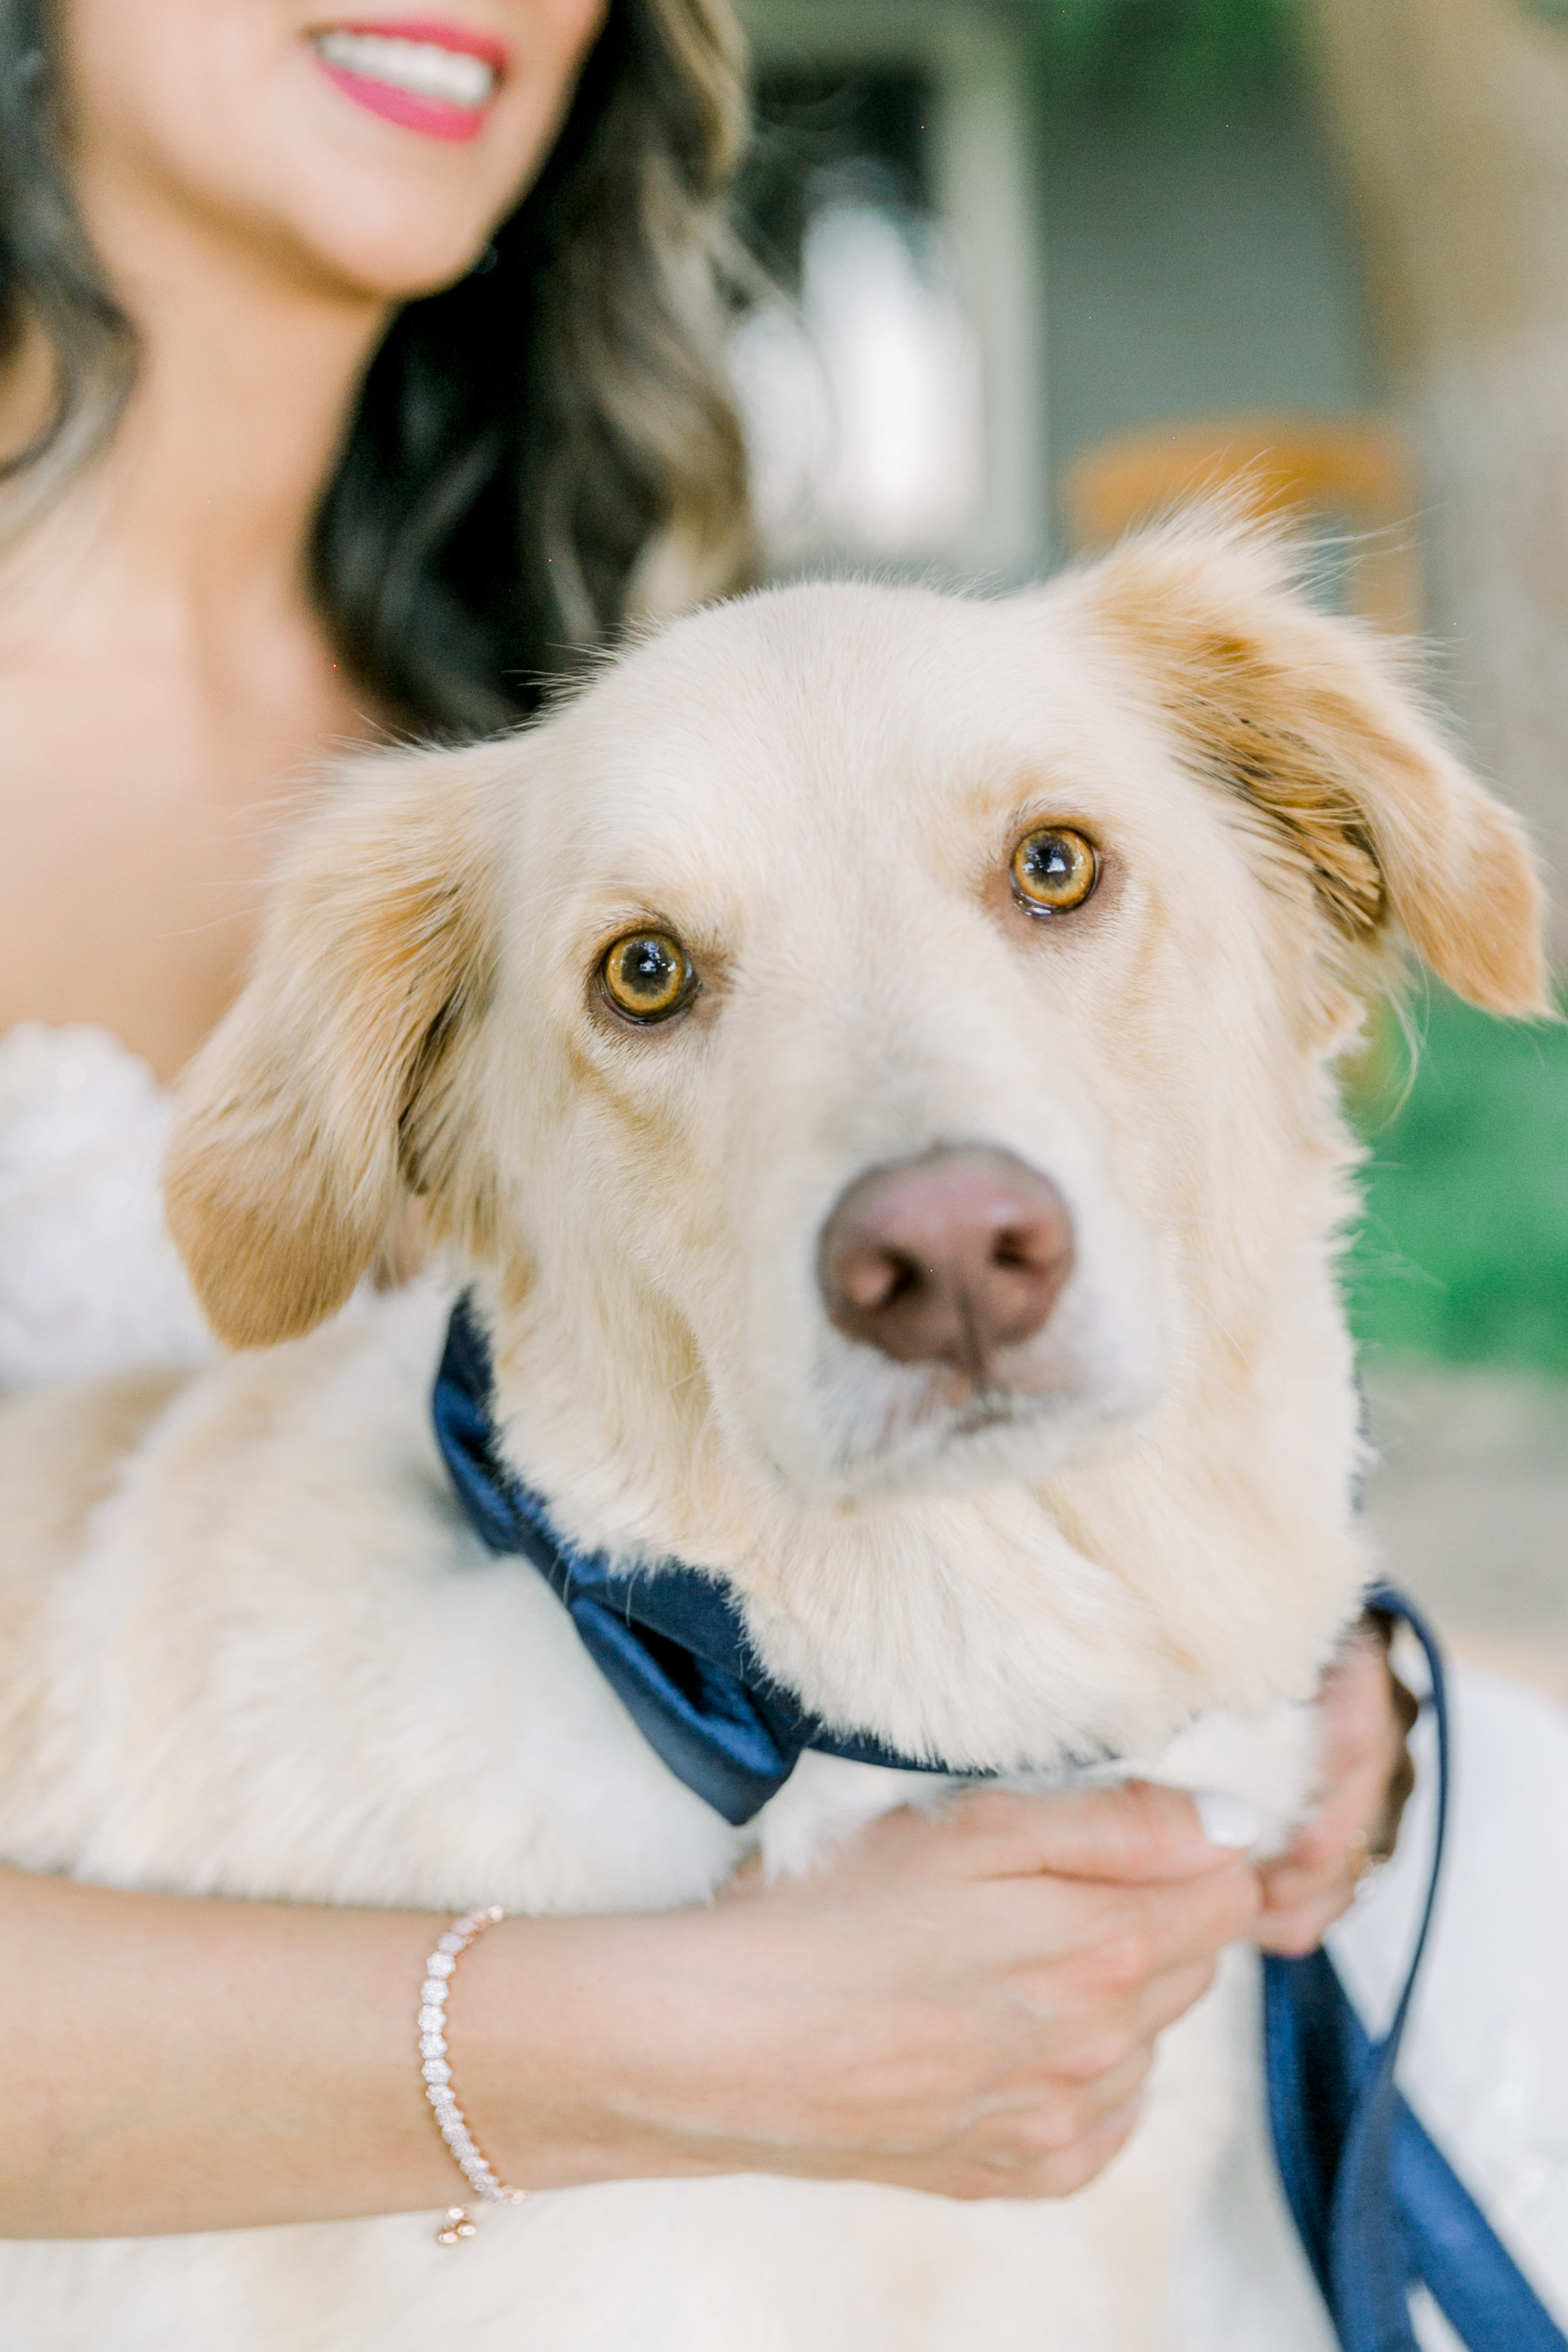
{"x":451,"y":2121}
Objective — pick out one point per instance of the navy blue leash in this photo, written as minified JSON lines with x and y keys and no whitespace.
{"x":1376,"y":2204}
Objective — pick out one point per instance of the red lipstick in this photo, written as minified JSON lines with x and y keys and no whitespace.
{"x":419,"y":72}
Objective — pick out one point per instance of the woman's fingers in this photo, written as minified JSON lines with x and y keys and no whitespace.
{"x":1040,"y":2172}
{"x":1019,"y":2172}
{"x":1065,"y":2174}
{"x":1112,"y":1942}
{"x":1365,"y":1713}
{"x":1058,"y":2137}
{"x":1088,"y":2046}
{"x":1033,"y":2144}
{"x":1137,"y":1834}
{"x":1363,"y":1710}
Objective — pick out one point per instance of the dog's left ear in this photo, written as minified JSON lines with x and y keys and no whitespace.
{"x":1307,"y":719}
{"x":326,"y":1091}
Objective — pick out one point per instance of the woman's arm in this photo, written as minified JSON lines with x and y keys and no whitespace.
{"x":965,"y":2003}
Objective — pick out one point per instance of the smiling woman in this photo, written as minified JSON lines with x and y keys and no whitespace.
{"x":352,"y":424}
{"x":544,"y":401}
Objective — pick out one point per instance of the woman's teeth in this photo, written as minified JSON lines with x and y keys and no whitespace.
{"x":420,"y":68}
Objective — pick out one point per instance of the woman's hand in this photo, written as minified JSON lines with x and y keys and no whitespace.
{"x":1366,"y":1715}
{"x":965,"y":2003}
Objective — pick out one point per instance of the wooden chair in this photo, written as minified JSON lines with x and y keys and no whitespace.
{"x":1353,"y":473}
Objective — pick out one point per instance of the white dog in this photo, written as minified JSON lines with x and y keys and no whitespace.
{"x":869,"y":1057}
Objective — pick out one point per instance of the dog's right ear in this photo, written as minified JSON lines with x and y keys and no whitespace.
{"x":319,"y":1099}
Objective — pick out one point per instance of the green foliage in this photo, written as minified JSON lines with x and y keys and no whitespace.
{"x":1161,"y":60}
{"x":1462,"y":1255}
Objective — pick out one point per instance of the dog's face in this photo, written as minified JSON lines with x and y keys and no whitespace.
{"x":837,"y":989}
{"x":879,"y":1035}
{"x":861,"y":1016}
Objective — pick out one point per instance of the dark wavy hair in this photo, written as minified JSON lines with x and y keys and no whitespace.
{"x":538,"y":451}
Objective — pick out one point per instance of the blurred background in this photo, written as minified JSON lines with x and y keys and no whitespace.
{"x":1042,"y":263}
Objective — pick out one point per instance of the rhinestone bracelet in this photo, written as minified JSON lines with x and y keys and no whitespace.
{"x":439,"y":1970}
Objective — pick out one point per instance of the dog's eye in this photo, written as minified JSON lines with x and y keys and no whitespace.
{"x":647,"y":975}
{"x":1054,"y":869}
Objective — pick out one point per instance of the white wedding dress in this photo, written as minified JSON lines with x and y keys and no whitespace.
{"x":89,"y":1283}
{"x":88,"y":1279}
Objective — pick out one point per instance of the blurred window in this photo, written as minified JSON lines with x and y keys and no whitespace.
{"x":890,"y":381}
{"x":862,"y":386}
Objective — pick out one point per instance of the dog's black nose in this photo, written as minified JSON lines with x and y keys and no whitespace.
{"x":947,"y":1258}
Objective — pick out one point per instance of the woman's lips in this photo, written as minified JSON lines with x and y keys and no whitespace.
{"x":434,"y":77}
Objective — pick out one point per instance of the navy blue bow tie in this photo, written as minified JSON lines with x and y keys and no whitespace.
{"x":670,"y":1641}
{"x":1377,"y":2206}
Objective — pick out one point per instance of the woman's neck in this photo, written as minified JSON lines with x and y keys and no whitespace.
{"x":167,"y":686}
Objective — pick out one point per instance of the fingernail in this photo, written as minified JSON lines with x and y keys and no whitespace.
{"x":1227,"y":1821}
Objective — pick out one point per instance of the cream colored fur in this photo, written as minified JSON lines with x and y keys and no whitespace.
{"x":276,"y":1663}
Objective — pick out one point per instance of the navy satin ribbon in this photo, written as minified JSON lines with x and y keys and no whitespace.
{"x":1378,"y":2207}
{"x":670,"y":1641}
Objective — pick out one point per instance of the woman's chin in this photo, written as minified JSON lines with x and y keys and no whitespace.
{"x":387,"y":253}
